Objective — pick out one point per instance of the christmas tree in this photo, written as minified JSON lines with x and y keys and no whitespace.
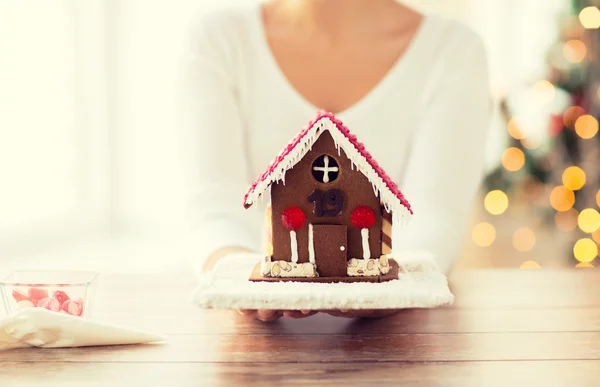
{"x":553,"y":158}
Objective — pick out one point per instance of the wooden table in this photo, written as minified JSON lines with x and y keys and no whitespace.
{"x":507,"y":328}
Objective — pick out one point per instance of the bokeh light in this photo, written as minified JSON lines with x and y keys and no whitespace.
{"x":530,"y":265}
{"x":573,"y":178}
{"x":571,"y":115}
{"x":589,"y":220}
{"x":544,"y":90}
{"x":483,"y":234}
{"x":514,"y":129}
{"x":585,"y":250}
{"x":596,"y":236}
{"x":584,"y":265}
{"x":513,"y":159}
{"x":575,"y":51}
{"x":562,"y":198}
{"x":531,"y":142}
{"x":598,"y":198}
{"x":589,"y":17}
{"x":523,"y":239}
{"x":496,"y":202}
{"x":567,"y":220}
{"x":586,"y":126}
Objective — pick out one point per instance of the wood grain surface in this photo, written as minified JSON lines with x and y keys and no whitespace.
{"x":506,"y":328}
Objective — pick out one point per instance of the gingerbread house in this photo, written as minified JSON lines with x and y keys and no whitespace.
{"x":331,"y":210}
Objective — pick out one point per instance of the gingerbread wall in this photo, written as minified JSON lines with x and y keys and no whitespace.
{"x":299,"y":184}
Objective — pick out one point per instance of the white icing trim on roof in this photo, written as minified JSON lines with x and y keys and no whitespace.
{"x":400,"y":214}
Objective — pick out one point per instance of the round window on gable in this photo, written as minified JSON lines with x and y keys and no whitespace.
{"x":325,"y":169}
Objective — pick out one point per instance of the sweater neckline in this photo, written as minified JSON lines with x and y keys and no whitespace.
{"x":379,"y":90}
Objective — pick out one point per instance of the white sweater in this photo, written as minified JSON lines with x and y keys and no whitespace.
{"x":426,"y":124}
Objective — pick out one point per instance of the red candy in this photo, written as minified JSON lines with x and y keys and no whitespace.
{"x":61,"y":296}
{"x":362,"y":217}
{"x":49,"y":303}
{"x":293,"y":218}
{"x":73,"y":307}
{"x":36,"y":294}
{"x":18,"y":296}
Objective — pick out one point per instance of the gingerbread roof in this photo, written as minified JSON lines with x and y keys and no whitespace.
{"x":389,"y":193}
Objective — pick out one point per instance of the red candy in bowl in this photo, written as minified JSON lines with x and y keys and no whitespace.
{"x":67,"y":292}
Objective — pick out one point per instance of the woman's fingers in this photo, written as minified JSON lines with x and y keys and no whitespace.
{"x":271,"y":315}
{"x":299,"y":313}
{"x":267,"y":315}
{"x":364,"y":313}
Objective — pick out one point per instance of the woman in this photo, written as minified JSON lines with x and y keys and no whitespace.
{"x":413,"y":88}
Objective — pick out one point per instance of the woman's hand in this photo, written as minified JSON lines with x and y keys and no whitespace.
{"x":267,"y":315}
{"x":363,"y":313}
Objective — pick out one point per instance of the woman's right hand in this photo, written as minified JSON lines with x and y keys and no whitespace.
{"x":267,"y":315}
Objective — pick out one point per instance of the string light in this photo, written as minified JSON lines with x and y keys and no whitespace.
{"x":589,"y":17}
{"x":596,"y":236}
{"x":483,"y":234}
{"x":584,"y":265}
{"x":530,"y":265}
{"x":589,"y":220}
{"x":544,"y":90}
{"x":513,"y":159}
{"x":585,"y":250}
{"x":571,"y":115}
{"x":573,"y":178}
{"x":523,"y":239}
{"x":562,"y":198}
{"x":531,"y":143}
{"x":567,"y":220}
{"x":574,"y":51}
{"x":514,"y":130}
{"x":586,"y":126}
{"x":496,"y":202}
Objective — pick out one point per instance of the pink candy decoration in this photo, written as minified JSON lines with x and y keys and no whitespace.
{"x":36,"y":294}
{"x":49,"y":303}
{"x":18,"y":296}
{"x":39,"y":297}
{"x":73,"y":307}
{"x":60,"y":296}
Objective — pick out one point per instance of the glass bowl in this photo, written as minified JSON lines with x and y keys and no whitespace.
{"x":68,"y":292}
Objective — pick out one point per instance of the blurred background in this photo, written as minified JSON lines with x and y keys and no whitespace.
{"x":89,"y":156}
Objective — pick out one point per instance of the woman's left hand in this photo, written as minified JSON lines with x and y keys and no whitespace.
{"x":272,"y":315}
{"x":267,"y":315}
{"x":363,"y":313}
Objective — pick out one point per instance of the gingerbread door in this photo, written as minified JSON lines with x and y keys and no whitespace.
{"x":330,"y":244}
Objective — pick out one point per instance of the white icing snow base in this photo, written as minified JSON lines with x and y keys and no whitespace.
{"x":420,"y":284}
